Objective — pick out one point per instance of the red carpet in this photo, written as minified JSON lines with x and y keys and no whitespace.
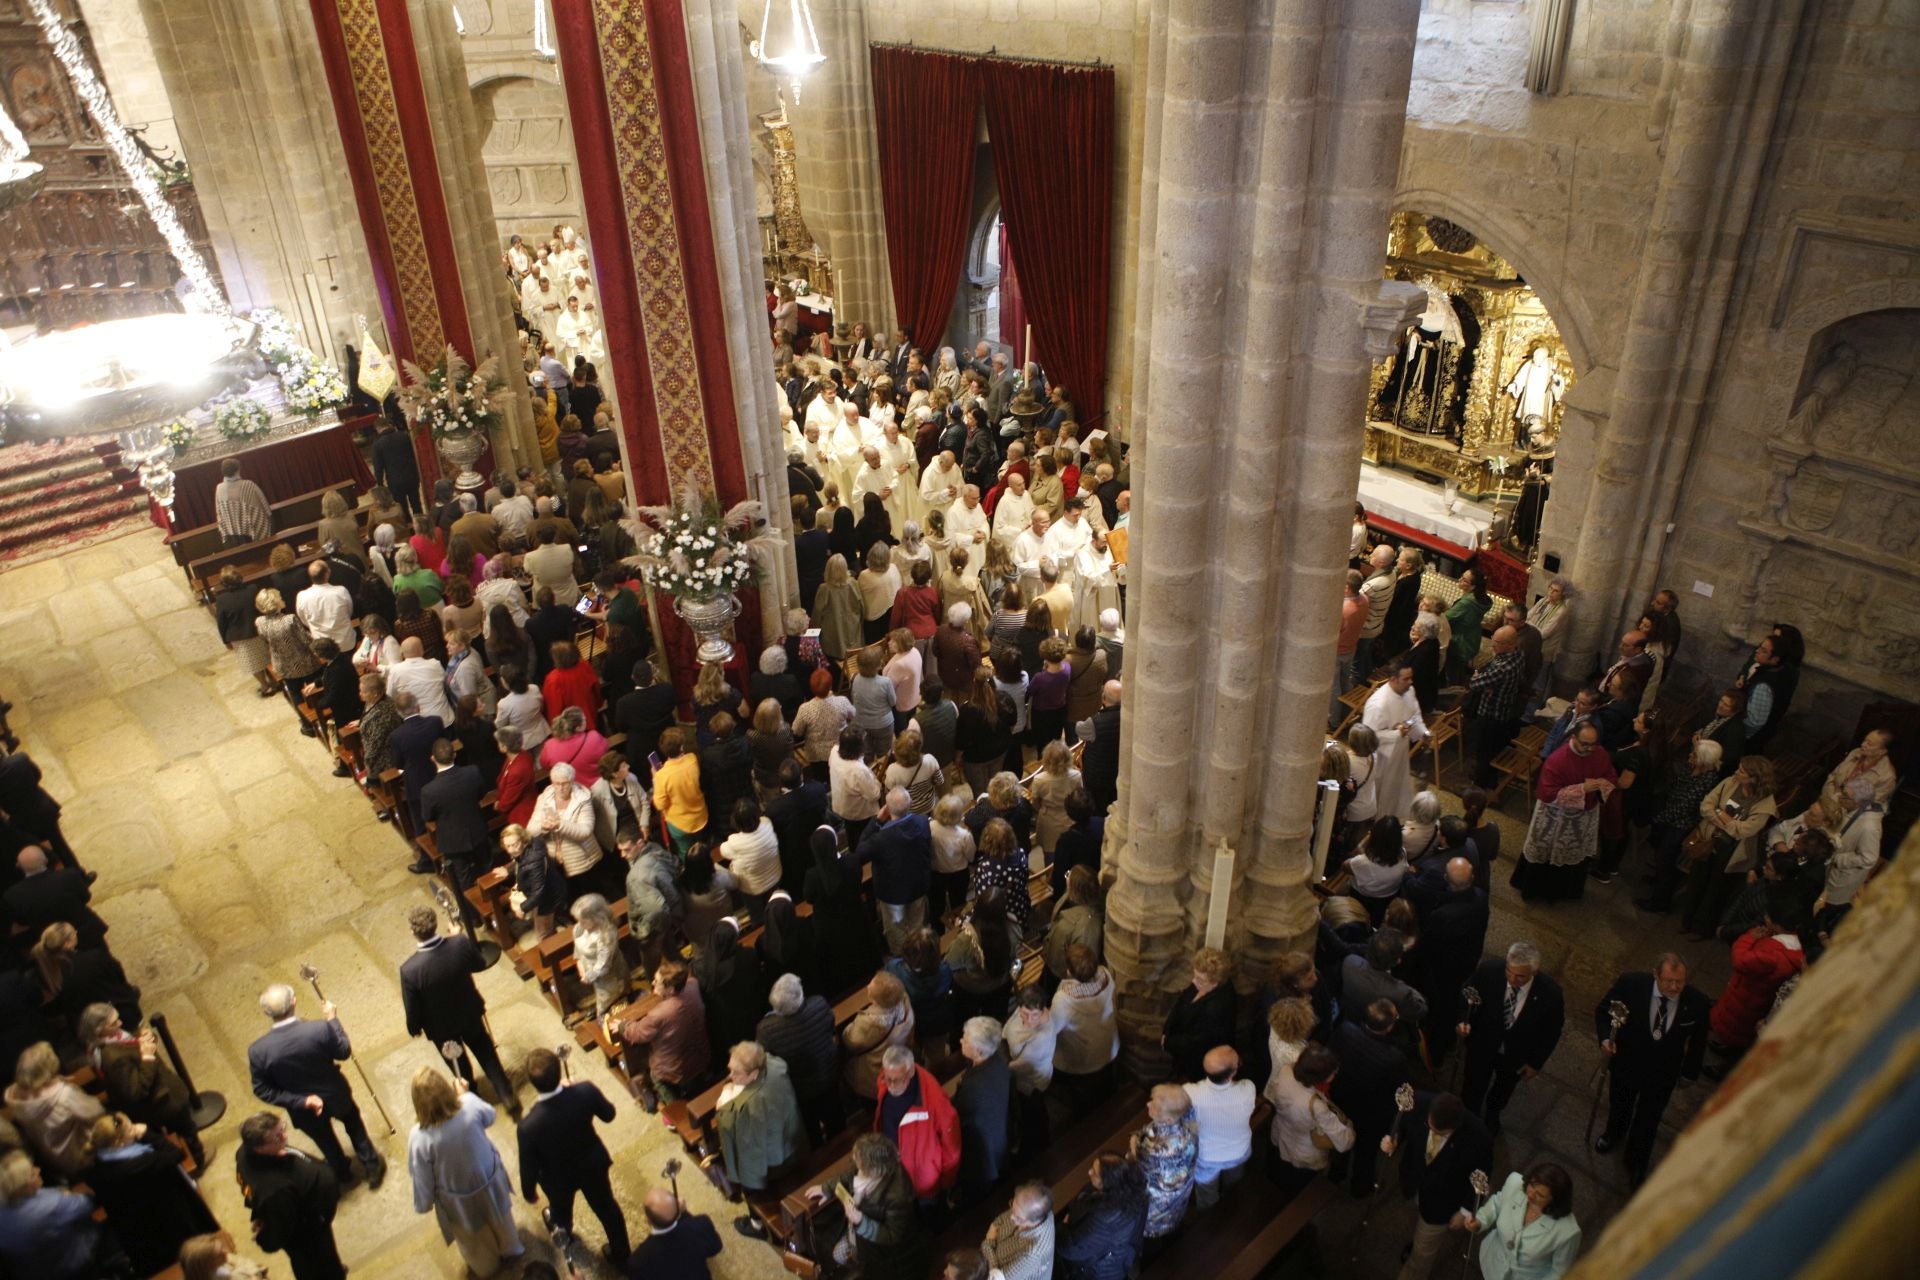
{"x":64,"y":494}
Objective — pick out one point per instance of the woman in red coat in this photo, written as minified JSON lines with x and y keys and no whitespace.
{"x":514,"y":791}
{"x":571,"y":683}
{"x":1764,"y":957}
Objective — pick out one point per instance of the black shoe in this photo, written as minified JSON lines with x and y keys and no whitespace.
{"x":747,"y":1227}
{"x":422,"y":867}
{"x":1715,"y":1073}
{"x":1648,"y":904}
{"x":377,"y":1173}
{"x":342,"y":770}
{"x":618,"y":1261}
{"x":1604,"y":877}
{"x":308,"y":731}
{"x":1604,"y":1143}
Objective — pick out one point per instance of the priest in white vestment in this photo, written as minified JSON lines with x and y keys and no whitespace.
{"x":825,"y":407}
{"x":1393,"y":713}
{"x":542,"y":307}
{"x":1014,"y":513}
{"x":874,"y":476}
{"x":1067,"y":537}
{"x":896,"y":451}
{"x":1029,"y":546}
{"x":576,"y":335}
{"x":846,"y":442}
{"x":967,"y":525}
{"x":1095,"y":586}
{"x":940,"y":484}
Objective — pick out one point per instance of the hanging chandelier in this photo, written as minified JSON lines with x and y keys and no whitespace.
{"x":788,"y":45}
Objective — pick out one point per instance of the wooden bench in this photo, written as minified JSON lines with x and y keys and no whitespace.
{"x":188,"y":545}
{"x":203,"y":573}
{"x":1514,"y":764}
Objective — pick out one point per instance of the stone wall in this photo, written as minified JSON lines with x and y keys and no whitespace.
{"x":526,"y":139}
{"x":124,"y":48}
{"x":1803,"y":221}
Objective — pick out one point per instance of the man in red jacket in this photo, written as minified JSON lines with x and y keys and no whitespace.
{"x":916,"y":1115}
{"x":1764,"y":957}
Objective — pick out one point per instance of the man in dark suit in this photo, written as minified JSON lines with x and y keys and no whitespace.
{"x":1372,"y":1069}
{"x":442,"y":1004}
{"x":679,"y":1244}
{"x":451,"y":802}
{"x":1100,"y":762}
{"x":561,"y":1153}
{"x":293,"y":1067}
{"x":292,"y":1198}
{"x":395,"y":465}
{"x":984,"y":1101}
{"x":29,"y":807}
{"x":899,"y":844}
{"x":1662,"y":1042}
{"x":1453,"y":934}
{"x":1445,"y":1144}
{"x":800,"y":807}
{"x":1513,"y":1030}
{"x":897,"y":358}
{"x":44,"y":895}
{"x":643,"y":716}
{"x":412,"y":749}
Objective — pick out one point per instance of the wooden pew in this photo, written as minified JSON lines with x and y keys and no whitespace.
{"x":1244,"y":1233}
{"x":188,"y":545}
{"x":203,"y":573}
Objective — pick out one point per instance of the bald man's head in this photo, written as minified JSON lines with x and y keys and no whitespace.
{"x":1110,"y":694}
{"x":1220,"y":1064}
{"x":1459,"y":873}
{"x":412,"y":648}
{"x":31,"y":860}
{"x":1505,"y":639}
{"x":662,"y":1208}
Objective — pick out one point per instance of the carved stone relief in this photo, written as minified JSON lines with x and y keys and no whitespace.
{"x":528,"y":150}
{"x":1841,"y":516}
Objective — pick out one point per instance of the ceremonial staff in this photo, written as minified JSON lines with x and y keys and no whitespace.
{"x":1481,"y":1188}
{"x":489,"y":951}
{"x":312,"y":976}
{"x":1616,"y":1019}
{"x":1402,"y":1105}
{"x":1471,"y":995}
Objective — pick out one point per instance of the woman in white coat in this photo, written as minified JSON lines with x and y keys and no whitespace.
{"x":1531,"y":1234}
{"x":458,"y":1175}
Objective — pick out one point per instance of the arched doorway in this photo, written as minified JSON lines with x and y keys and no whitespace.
{"x":983,"y":279}
{"x":527,"y":146}
{"x":1463,"y":421}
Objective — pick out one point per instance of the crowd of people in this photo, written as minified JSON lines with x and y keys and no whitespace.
{"x":1685,"y":795}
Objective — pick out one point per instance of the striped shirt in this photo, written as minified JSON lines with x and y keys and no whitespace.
{"x":241,"y":510}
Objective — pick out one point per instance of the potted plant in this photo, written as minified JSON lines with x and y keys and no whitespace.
{"x":459,"y":404}
{"x":700,"y":555}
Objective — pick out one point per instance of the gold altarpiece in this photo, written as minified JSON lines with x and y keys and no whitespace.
{"x":1453,"y":416}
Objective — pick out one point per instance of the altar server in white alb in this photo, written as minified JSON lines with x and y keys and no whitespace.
{"x":1393,"y":713}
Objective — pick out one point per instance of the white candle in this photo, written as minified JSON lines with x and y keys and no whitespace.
{"x":1026,"y":347}
{"x":1323,"y":825}
{"x":1222,"y":890}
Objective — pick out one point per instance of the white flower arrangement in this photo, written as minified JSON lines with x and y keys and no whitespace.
{"x":179,"y":435}
{"x":242,"y":419}
{"x":693,"y":550}
{"x":453,"y":396}
{"x":311,"y":385}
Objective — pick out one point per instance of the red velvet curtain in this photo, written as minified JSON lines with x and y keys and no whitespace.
{"x":1052,"y":131}
{"x":1013,"y":309}
{"x":925,"y":109}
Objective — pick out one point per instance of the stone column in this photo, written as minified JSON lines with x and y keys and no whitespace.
{"x":476,"y":240}
{"x":1728,"y":89}
{"x":1271,"y":144}
{"x":720,"y":95}
{"x":838,"y":158}
{"x":250,"y":105}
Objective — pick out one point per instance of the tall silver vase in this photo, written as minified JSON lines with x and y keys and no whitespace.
{"x":463,"y":449}
{"x":710,"y":620}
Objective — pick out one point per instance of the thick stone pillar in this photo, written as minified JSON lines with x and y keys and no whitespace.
{"x":1729,"y":87}
{"x":837,"y":156}
{"x":250,"y":105}
{"x":720,"y":94}
{"x":1272,"y":139}
{"x":412,"y":150}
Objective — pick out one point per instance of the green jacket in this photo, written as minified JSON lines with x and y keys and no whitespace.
{"x":760,"y":1128}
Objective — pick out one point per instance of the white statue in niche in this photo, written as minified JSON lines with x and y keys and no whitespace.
{"x":1536,"y":390}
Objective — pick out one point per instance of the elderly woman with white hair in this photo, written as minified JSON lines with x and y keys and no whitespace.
{"x":1692,"y":778}
{"x":565,"y":818}
{"x":775,"y":679}
{"x":1421,"y":833}
{"x":1167,"y":1148}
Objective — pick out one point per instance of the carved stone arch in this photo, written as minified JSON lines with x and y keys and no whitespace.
{"x":1514,"y":243}
{"x":978,"y":239}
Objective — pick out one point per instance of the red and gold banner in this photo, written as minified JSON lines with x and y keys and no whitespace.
{"x":636,"y":129}
{"x":373,"y":75}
